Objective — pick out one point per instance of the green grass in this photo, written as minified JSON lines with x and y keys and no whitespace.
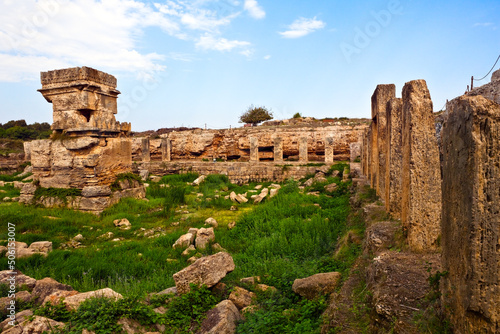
{"x":281,"y":239}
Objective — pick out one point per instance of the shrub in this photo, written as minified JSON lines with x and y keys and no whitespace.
{"x":297,"y":115}
{"x":255,"y":115}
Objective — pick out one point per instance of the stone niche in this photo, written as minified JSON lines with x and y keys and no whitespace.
{"x":88,"y":148}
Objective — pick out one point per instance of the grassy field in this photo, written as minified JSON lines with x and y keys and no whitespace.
{"x":293,"y":235}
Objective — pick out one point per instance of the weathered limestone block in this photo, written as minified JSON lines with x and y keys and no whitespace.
{"x":421,"y":182}
{"x":393,"y":172}
{"x":329,"y":150}
{"x":322,"y":283}
{"x":254,"y":149}
{"x":94,"y":191}
{"x":208,"y":270}
{"x":73,"y":302}
{"x":355,"y":149}
{"x":222,"y":319}
{"x":80,"y":143}
{"x":242,"y":297}
{"x":382,"y":94}
{"x":204,"y":237}
{"x":278,"y":149}
{"x":471,"y":214}
{"x":364,"y":153}
{"x":303,"y":155}
{"x":369,"y":153}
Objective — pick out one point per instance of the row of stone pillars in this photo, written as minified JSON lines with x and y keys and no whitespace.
{"x":166,"y":149}
{"x":447,"y":199}
{"x":401,"y":159}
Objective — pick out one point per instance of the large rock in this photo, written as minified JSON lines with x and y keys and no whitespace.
{"x":20,"y":318}
{"x":8,"y":276}
{"x":212,"y":222}
{"x":310,"y":287}
{"x":49,"y":286}
{"x":222,"y":319}
{"x":123,"y":224}
{"x":242,"y":297}
{"x":421,"y":178}
{"x":204,"y":236}
{"x":207,"y":271}
{"x":184,"y":241}
{"x":73,"y":302}
{"x":94,"y":191}
{"x":38,"y":325}
{"x":199,"y":180}
{"x":471,"y":215}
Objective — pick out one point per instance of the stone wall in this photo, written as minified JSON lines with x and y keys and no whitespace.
{"x":471,"y":214}
{"x":319,"y":143}
{"x":491,"y":90}
{"x":237,"y":172}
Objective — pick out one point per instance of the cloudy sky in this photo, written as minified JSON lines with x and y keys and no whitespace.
{"x":203,"y":62}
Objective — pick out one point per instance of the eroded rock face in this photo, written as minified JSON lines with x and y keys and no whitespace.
{"x":222,"y":319}
{"x":20,"y":279}
{"x":471,"y":206}
{"x":421,"y":200}
{"x":47,"y":287}
{"x":207,"y":271}
{"x":310,"y":287}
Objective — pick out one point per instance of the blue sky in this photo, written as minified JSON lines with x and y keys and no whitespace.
{"x":191,"y":63}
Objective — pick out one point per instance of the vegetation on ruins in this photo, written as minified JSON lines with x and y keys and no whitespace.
{"x":292,"y":235}
{"x":255,"y":115}
{"x":297,"y":115}
{"x":20,"y":130}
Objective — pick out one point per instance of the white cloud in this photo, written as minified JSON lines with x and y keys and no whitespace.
{"x":267,"y":57}
{"x":39,"y":35}
{"x":302,"y":27}
{"x":209,"y":42}
{"x":254,"y":9}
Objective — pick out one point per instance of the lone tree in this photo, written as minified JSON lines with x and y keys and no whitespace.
{"x":255,"y":115}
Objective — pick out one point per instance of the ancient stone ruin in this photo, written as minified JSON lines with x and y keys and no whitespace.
{"x":448,"y":198}
{"x":402,"y":161}
{"x":88,"y":148}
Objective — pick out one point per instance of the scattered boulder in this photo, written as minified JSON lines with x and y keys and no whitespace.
{"x":20,"y":318}
{"x":238,"y":198}
{"x":218,"y":248}
{"x":204,"y":236}
{"x":41,"y":247}
{"x":78,"y":237}
{"x":36,"y":325}
{"x":259,"y":186}
{"x":264,"y":287}
{"x":188,"y":251}
{"x":208,"y":270}
{"x":107,"y":235}
{"x":231,"y":225}
{"x":233,"y":208}
{"x":184,"y":241}
{"x":131,"y":326}
{"x":212,"y":222}
{"x":330,"y":187}
{"x":144,"y":174}
{"x":199,"y":180}
{"x":168,"y":291}
{"x":275,"y":186}
{"x":20,"y":279}
{"x":123,"y":224}
{"x":74,"y":301}
{"x":222,"y":319}
{"x":250,"y":280}
{"x":310,"y":287}
{"x":49,"y":289}
{"x":273,"y":192}
{"x":261,"y":196}
{"x":241,"y":297}
{"x":155,"y":178}
{"x":193,"y":231}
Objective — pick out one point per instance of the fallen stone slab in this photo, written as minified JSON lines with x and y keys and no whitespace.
{"x":207,"y":271}
{"x":74,"y":302}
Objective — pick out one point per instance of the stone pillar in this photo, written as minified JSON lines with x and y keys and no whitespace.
{"x":363,"y":152}
{"x":329,"y":152}
{"x":303,"y":157}
{"x":421,"y":180}
{"x":369,"y":141}
{"x":278,"y":149}
{"x":393,"y":172}
{"x":374,"y":156}
{"x":471,"y":215}
{"x":380,"y":97}
{"x":166,"y":149}
{"x":146,"y":157}
{"x":254,"y":149}
{"x":355,"y":151}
